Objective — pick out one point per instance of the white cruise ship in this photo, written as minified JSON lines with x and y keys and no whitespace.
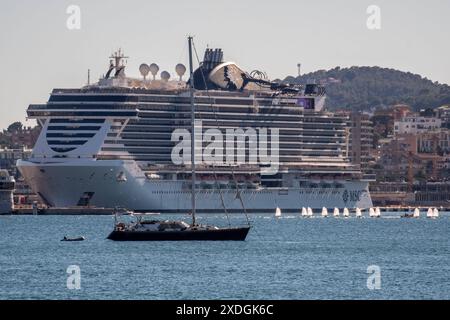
{"x":112,"y":144}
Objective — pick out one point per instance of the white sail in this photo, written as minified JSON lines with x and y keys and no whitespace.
{"x":416,"y":213}
{"x":304,"y":212}
{"x":358,"y":213}
{"x":278,"y":212}
{"x":430,"y":213}
{"x":310,"y":212}
{"x":377,"y":212}
{"x":336,"y":212}
{"x":324,"y":212}
{"x":346,"y":213}
{"x":435,"y":213}
{"x":371,"y":212}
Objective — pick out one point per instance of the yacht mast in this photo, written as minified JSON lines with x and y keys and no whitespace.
{"x":191,"y":93}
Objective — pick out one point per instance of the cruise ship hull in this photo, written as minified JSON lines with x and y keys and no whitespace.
{"x":110,"y":183}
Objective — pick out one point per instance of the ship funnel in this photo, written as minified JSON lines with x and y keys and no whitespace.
{"x":212,"y":58}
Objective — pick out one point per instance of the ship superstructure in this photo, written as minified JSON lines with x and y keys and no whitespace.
{"x":113,"y":143}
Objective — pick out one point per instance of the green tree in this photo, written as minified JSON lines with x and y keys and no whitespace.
{"x":15,"y":126}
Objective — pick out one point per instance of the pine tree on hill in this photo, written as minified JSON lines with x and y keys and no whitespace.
{"x":365,"y":88}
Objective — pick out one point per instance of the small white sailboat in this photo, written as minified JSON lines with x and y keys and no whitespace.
{"x":336,"y":212}
{"x":414,"y":214}
{"x":372,"y":212}
{"x":346,"y":213}
{"x":324,"y":212}
{"x":358,"y":212}
{"x":435,"y":213}
{"x":278,"y":212}
{"x":430,"y":213}
{"x":304,"y":212}
{"x":377,"y":212}
{"x":310,"y":212}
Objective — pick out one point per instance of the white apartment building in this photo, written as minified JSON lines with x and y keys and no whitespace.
{"x":416,"y":124}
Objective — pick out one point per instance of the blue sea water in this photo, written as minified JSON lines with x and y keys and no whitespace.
{"x":286,"y":258}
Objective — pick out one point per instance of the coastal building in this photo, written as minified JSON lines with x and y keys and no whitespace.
{"x":18,"y":136}
{"x":417,"y":194}
{"x":9,"y":157}
{"x":409,"y":157}
{"x":416,"y":124}
{"x":22,"y":191}
{"x":360,"y":139}
{"x":400,"y":111}
{"x":434,"y":142}
{"x":443,"y":113}
{"x":394,"y":156}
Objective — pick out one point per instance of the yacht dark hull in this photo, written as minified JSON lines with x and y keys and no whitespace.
{"x":228,"y":234}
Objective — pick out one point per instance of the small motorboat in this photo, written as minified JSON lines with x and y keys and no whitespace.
{"x":81,"y":238}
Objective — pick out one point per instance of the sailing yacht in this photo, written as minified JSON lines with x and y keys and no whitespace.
{"x":278,"y":212}
{"x":336,"y":212}
{"x":377,"y":212}
{"x":435,"y":213}
{"x":346,"y":213}
{"x":415,"y":214}
{"x":155,"y":230}
{"x":304,"y":212}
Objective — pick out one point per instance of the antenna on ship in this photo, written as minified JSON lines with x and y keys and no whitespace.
{"x":154,"y":68}
{"x":180,"y":69}
{"x":191,"y":94}
{"x":299,"y":68}
{"x":89,"y":77}
{"x":118,"y":58}
{"x":144,"y":69}
{"x":165,"y":76}
{"x":117,"y":62}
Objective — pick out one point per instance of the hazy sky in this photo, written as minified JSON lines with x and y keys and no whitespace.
{"x":38,"y":52}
